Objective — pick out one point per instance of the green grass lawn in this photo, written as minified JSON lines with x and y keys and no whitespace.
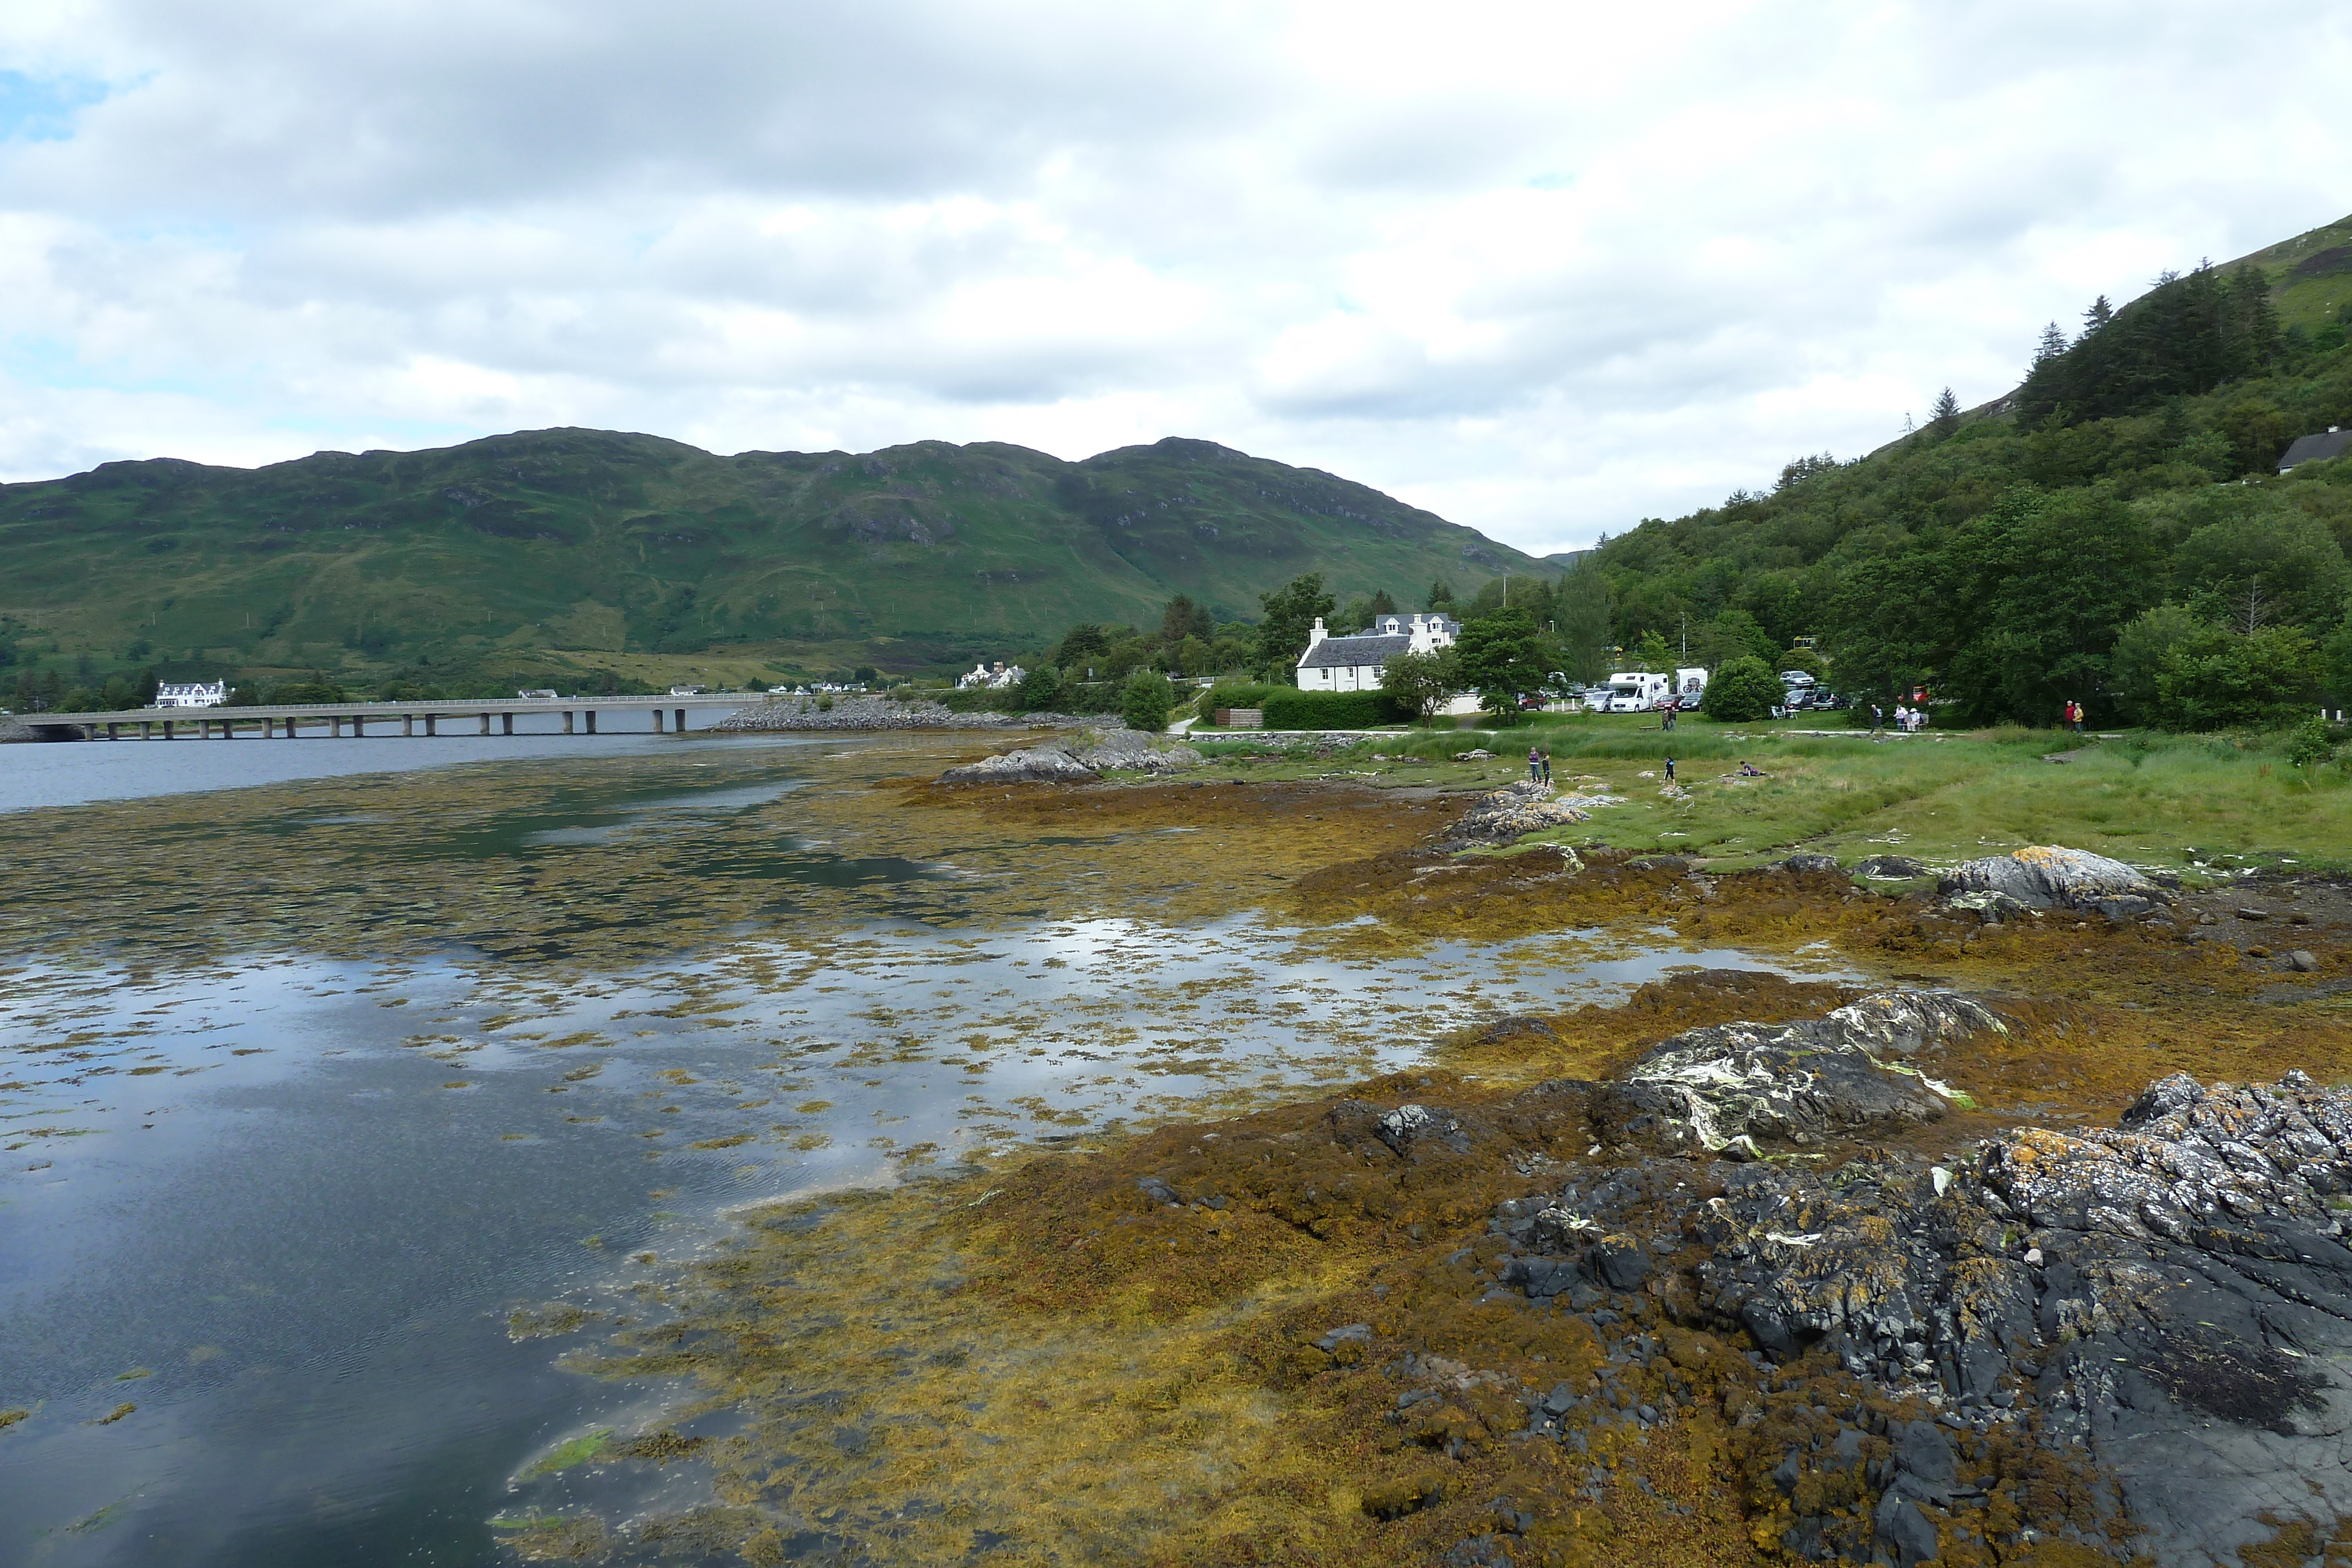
{"x":2161,"y":800}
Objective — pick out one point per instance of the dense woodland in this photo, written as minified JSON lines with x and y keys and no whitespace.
{"x":2116,"y":534}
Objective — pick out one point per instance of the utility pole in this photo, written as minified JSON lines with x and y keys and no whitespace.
{"x":1687,"y":634}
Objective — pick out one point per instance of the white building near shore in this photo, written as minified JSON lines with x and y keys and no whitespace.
{"x":194,"y":694}
{"x":1354,"y":663}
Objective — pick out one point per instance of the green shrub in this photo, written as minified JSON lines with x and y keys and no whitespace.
{"x":1041,"y":689}
{"x":1145,"y":702}
{"x":1741,"y":690}
{"x":2313,"y":743}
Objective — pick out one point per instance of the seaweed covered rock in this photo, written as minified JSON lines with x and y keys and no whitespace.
{"x":1030,"y":765}
{"x":1080,"y":760}
{"x":1726,"y":1086}
{"x":2048,"y":877}
{"x":1131,"y":750}
{"x":2168,"y":1302}
{"x":1504,"y":816}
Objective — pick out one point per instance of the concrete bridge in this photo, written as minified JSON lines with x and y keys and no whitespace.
{"x":324,"y":720}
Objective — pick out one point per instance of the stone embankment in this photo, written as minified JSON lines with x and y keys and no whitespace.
{"x":12,"y":728}
{"x":863,"y":713}
{"x":2160,"y":1311}
{"x":1080,"y":760}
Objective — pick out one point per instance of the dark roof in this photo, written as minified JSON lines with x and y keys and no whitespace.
{"x":1340,"y":652}
{"x":2312,"y":448}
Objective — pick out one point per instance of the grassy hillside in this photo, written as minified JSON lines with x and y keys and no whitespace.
{"x":632,"y":547}
{"x":2115,"y":531}
{"x":2310,"y":276}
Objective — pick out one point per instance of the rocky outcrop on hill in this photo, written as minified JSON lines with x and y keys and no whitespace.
{"x":1084,"y":759}
{"x":2048,"y":877}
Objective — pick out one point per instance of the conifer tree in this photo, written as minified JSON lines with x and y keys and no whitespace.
{"x":1946,"y":417}
{"x":2052,"y":344}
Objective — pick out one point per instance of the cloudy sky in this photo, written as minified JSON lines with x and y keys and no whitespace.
{"x":1546,"y":268}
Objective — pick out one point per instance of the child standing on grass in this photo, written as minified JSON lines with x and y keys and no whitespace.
{"x":1670,"y":769}
{"x":1547,"y":764}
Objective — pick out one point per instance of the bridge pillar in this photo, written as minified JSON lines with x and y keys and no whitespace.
{"x":592,"y":721}
{"x":505,"y":723}
{"x":681,"y":721}
{"x":146,"y":729}
{"x":429,"y":720}
{"x":567,"y":721}
{"x":657,"y":721}
{"x":359,"y":724}
{"x":229,"y":729}
{"x":168,"y":725}
{"x":486,"y":724}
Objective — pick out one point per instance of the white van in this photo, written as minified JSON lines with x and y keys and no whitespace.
{"x":1690,"y":685}
{"x":1638,"y":691}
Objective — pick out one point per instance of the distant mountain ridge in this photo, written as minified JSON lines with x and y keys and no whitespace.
{"x":605,"y":540}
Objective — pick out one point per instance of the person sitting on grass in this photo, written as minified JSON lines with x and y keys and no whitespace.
{"x":1748,"y":772}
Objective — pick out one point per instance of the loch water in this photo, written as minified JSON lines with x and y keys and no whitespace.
{"x":292,"y":1160}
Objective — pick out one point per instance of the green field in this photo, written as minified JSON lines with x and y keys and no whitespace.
{"x":577,"y":548}
{"x":2189,"y":802}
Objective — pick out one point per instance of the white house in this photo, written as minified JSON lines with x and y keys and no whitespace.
{"x":1002,"y":678}
{"x":1354,"y":663}
{"x":197,"y":693}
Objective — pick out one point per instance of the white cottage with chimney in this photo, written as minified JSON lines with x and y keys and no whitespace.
{"x":1354,"y":663}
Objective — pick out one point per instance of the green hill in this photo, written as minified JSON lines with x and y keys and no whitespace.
{"x":2115,"y":531}
{"x":499,"y":553}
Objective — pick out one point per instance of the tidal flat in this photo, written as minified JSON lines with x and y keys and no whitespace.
{"x":353,"y":1125}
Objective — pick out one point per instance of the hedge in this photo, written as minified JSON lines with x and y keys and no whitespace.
{"x":1287,"y":707}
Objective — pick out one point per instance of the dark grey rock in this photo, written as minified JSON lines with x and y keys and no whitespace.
{"x":1621,"y":1262}
{"x":2304,"y":961}
{"x":1358,"y":1334}
{"x":1907,"y":1534}
{"x":1406,"y":1125}
{"x":1891,"y":868}
{"x":1811,"y":863}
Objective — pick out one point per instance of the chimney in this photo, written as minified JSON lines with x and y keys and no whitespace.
{"x":1317,"y":635}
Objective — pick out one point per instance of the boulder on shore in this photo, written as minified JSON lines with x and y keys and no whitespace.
{"x":2048,"y":877}
{"x":1085,"y":759}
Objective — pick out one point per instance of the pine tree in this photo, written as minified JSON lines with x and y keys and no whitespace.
{"x":2052,"y":344}
{"x":1946,"y":417}
{"x":2097,"y":316}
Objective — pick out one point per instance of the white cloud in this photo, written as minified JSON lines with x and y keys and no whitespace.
{"x":1545,"y":270}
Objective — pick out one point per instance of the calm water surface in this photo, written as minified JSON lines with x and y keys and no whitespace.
{"x":280,"y":1208}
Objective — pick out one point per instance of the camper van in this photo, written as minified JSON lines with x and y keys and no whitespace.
{"x":1690,"y":685}
{"x":1637,"y":691}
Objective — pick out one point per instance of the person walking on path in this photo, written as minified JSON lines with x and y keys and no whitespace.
{"x":1670,"y":769}
{"x":1877,"y":719}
